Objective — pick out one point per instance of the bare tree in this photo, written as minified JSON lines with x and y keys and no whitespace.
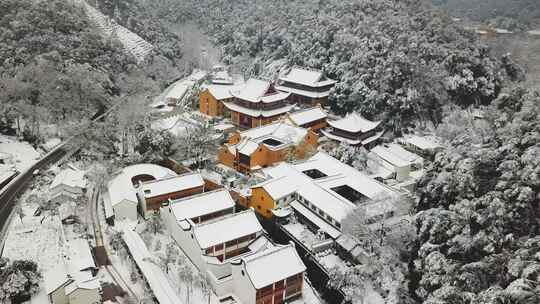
{"x":51,"y":207}
{"x":198,"y":144}
{"x":155,"y":223}
{"x":170,"y":256}
{"x":350,"y":282}
{"x":206,"y":288}
{"x":185,"y":274}
{"x":368,"y":221}
{"x":116,"y":240}
{"x":20,"y":212}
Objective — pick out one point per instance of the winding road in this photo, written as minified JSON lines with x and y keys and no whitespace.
{"x":19,"y":184}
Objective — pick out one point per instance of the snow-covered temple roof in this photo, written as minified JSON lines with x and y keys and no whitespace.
{"x":273,"y":265}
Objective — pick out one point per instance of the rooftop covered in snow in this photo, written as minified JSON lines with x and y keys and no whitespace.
{"x":257,"y":112}
{"x":69,"y":177}
{"x":279,"y":129}
{"x":121,"y":187}
{"x":387,"y":155}
{"x":221,"y":92}
{"x":307,"y":116}
{"x":202,"y":204}
{"x":180,"y":89}
{"x":227,"y":228}
{"x":257,"y":90}
{"x":172,"y":184}
{"x":307,"y":77}
{"x":354,"y":123}
{"x":82,"y":254}
{"x":336,"y":189}
{"x":273,"y":265}
{"x":421,"y":142}
{"x":275,"y":136}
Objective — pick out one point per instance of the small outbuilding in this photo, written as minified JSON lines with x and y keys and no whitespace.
{"x":68,"y":185}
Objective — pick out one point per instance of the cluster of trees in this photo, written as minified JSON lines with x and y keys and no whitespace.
{"x":179,"y":45}
{"x":19,"y":280}
{"x":386,"y":243}
{"x":396,"y":61}
{"x":479,"y":208}
{"x":54,"y":66}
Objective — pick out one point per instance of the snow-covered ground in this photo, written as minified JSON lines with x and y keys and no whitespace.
{"x":187,"y":84}
{"x":32,"y":240}
{"x":301,"y":233}
{"x":43,"y":238}
{"x":330,"y":260}
{"x":21,"y":154}
{"x":177,"y":125}
{"x":157,"y":244}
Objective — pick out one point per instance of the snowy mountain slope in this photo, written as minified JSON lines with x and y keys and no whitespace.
{"x":132,"y":42}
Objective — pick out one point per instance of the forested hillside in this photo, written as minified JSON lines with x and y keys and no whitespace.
{"x":397,"y":61}
{"x":479,"y":220}
{"x":57,"y":70}
{"x":176,"y":40}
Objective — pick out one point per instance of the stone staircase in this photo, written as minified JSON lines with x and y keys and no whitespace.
{"x":133,"y":43}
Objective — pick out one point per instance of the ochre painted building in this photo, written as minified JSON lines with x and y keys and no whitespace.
{"x":310,"y":118}
{"x":257,"y":103}
{"x":264,"y":146}
{"x":211,"y":99}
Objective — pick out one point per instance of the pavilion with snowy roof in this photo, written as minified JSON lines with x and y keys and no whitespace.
{"x":355,"y":130}
{"x":263,"y":146}
{"x":307,"y":86}
{"x":257,"y":103}
{"x":311,"y":118}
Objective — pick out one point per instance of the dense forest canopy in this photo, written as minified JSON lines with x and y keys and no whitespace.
{"x":479,"y":219}
{"x":397,"y":61}
{"x":57,"y":68}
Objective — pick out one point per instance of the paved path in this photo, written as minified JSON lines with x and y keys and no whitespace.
{"x":98,"y":235}
{"x":19,"y":184}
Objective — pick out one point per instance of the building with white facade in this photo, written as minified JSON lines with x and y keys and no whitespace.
{"x":151,"y":194}
{"x":198,"y":208}
{"x":274,"y":275}
{"x":121,"y":195}
{"x":229,"y":249}
{"x":391,"y":161}
{"x":72,"y":282}
{"x":68,"y":185}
